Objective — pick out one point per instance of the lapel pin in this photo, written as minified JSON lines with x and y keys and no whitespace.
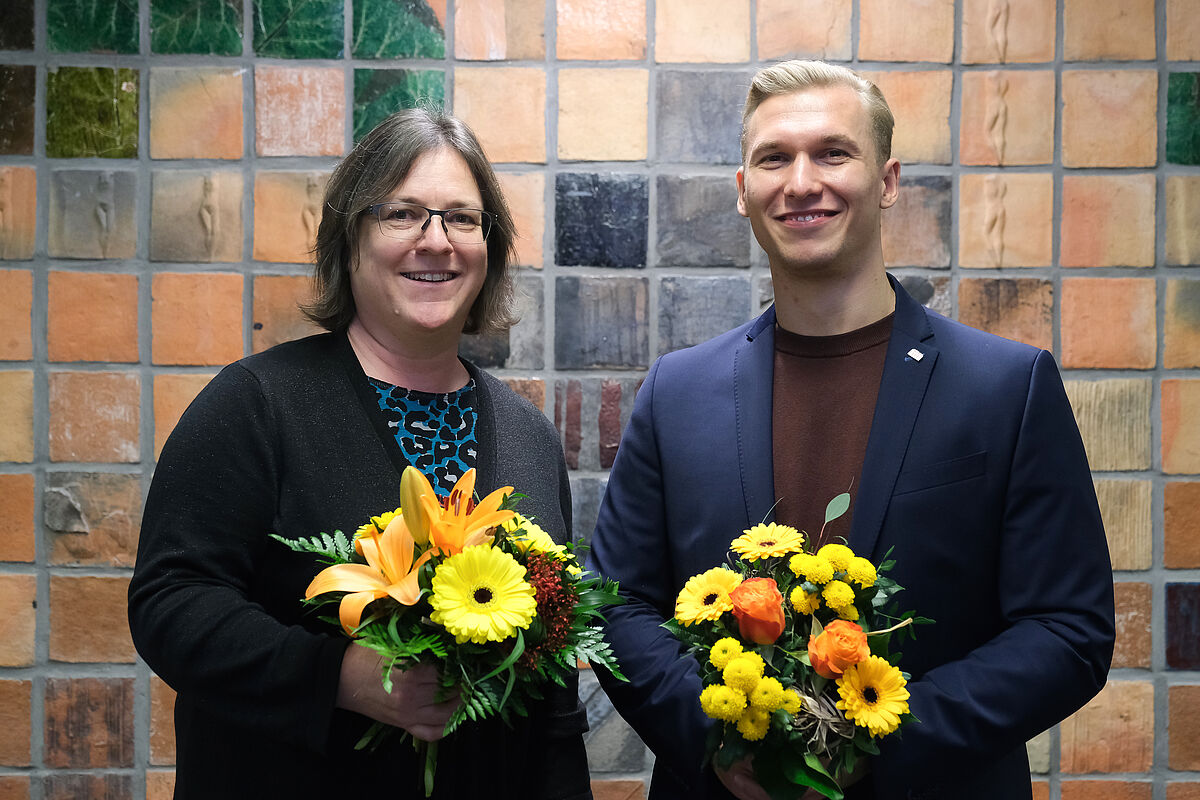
{"x":915,"y":354}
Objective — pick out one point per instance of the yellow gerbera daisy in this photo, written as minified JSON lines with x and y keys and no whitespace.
{"x":744,"y":672}
{"x":838,"y":594}
{"x":722,"y":702}
{"x":862,"y":572}
{"x":873,"y":695}
{"x":767,"y":695}
{"x":724,"y":650}
{"x":837,"y":554}
{"x":705,"y":597}
{"x":805,"y":602}
{"x":767,"y":541}
{"x":753,"y":724}
{"x":814,"y":569}
{"x":481,"y":594}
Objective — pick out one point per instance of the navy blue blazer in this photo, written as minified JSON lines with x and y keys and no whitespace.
{"x":975,"y":476}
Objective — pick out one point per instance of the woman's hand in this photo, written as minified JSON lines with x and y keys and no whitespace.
{"x":739,"y":780}
{"x":411,"y":705}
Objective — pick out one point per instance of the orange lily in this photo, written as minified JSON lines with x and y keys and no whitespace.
{"x":390,"y":571}
{"x":452,"y":523}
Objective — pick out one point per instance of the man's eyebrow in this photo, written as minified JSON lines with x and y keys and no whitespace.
{"x":838,"y":139}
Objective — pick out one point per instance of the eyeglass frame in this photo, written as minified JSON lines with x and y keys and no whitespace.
{"x":487,"y":219}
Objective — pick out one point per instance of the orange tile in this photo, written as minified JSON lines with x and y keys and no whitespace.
{"x":196,"y":112}
{"x":287,"y":211}
{"x":1108,"y":221}
{"x":602,"y":114}
{"x":532,"y":389}
{"x":172,"y":395}
{"x":16,"y":517}
{"x":94,"y":416}
{"x":162,"y":722}
{"x":484,"y":98}
{"x":1183,"y":209}
{"x":14,"y":787}
{"x":1109,"y":118}
{"x":702,"y":31}
{"x":494,"y":30}
{"x":16,"y":315}
{"x":1125,"y":506}
{"x":1134,"y":604}
{"x":1183,"y":728}
{"x":16,"y":408}
{"x":1114,"y":420}
{"x":1015,"y":308}
{"x":1183,"y":33}
{"x":91,"y":519}
{"x":1106,"y":790}
{"x":1007,"y":117}
{"x":18,"y":621}
{"x":608,"y":789}
{"x":526,"y":197}
{"x":1114,"y":732}
{"x":906,"y":30}
{"x":196,"y":216}
{"x":615,"y":30}
{"x":1183,"y":790}
{"x":1181,"y":328}
{"x":16,"y":723}
{"x":18,"y":211}
{"x":1109,"y":323}
{"x":1181,"y":524}
{"x":804,"y":29}
{"x":160,"y":784}
{"x":1181,"y":426}
{"x":285,"y":95}
{"x":93,"y":316}
{"x":920,"y":102}
{"x":1108,"y":30}
{"x":1004,"y":219}
{"x":1011,"y":32}
{"x":277,"y":315}
{"x":88,"y":619}
{"x":1041,"y":790}
{"x":196,"y":318}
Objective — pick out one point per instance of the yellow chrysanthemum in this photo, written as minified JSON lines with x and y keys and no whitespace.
{"x":753,"y":724}
{"x":848,"y":613}
{"x":838,"y":555}
{"x":378,"y":524}
{"x":724,"y":650}
{"x":838,"y":594}
{"x":481,"y":594}
{"x":705,"y":597}
{"x":814,"y":569}
{"x":792,"y":702}
{"x":873,"y":695}
{"x":528,"y":535}
{"x":767,"y":695}
{"x":722,"y":702}
{"x":805,"y":602}
{"x":744,"y":672}
{"x":767,"y":541}
{"x":861,"y":572}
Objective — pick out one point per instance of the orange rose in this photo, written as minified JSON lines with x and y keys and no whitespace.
{"x":842,"y":644}
{"x":758,"y":606}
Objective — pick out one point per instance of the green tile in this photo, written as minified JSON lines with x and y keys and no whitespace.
{"x":91,"y":111}
{"x":87,"y":26}
{"x":397,"y":29}
{"x":379,"y":92}
{"x":208,"y":27}
{"x":298,"y":28}
{"x":1183,"y":118}
{"x":17,"y":31}
{"x":16,"y":109}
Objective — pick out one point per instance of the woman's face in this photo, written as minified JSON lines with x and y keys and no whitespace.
{"x":408,"y":288}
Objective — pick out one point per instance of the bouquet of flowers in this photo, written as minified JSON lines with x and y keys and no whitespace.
{"x":795,"y":656}
{"x":474,"y":587}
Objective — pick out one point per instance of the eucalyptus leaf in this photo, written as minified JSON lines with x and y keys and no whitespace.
{"x":837,"y":506}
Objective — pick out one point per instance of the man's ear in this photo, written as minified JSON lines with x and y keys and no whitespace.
{"x":741,"y":187}
{"x":891,"y":183}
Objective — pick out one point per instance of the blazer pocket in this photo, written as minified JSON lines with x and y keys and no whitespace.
{"x":928,"y":476}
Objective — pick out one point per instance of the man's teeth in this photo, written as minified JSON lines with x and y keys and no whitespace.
{"x":430,"y":277}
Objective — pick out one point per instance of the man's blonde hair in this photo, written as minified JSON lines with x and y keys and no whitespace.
{"x":796,"y":76}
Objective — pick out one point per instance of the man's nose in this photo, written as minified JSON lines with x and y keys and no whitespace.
{"x":802,"y":178}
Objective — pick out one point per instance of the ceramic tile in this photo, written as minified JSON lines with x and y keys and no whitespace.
{"x":1108,"y":30}
{"x":93,"y":214}
{"x":615,"y":30}
{"x":1114,"y":420}
{"x":206,"y":27}
{"x":1125,"y":507}
{"x":1180,"y":426}
{"x":804,"y":29}
{"x":1004,"y":219}
{"x":1183,"y":118}
{"x":602,"y":114}
{"x":700,"y":116}
{"x":933,"y":293}
{"x":698,"y":223}
{"x":601,"y":322}
{"x":526,"y":197}
{"x":196,"y":216}
{"x":93,"y":316}
{"x":496,"y":30}
{"x":16,"y":109}
{"x":484,"y":98}
{"x":91,"y":111}
{"x":920,"y":102}
{"x":1183,"y":728}
{"x":16,"y":436}
{"x":18,"y":212}
{"x":95,"y":416}
{"x":298,"y":28}
{"x":18,"y":602}
{"x":196,"y":112}
{"x":600,"y":219}
{"x":1108,"y":220}
{"x":92,"y":518}
{"x":1133,"y":616}
{"x":1109,"y":119}
{"x":276,"y":310}
{"x":1181,"y":525}
{"x":693,"y":309}
{"x":1181,"y":327}
{"x":1008,"y":31}
{"x":1021,"y":309}
{"x":1183,"y":626}
{"x":287,"y":211}
{"x":396,"y":29}
{"x":283,"y":95}
{"x":1183,"y":209}
{"x":17,"y":31}
{"x":1007,"y":117}
{"x":379,"y":92}
{"x":16,"y":316}
{"x":916,"y":230}
{"x":1114,"y":732}
{"x":906,"y":30}
{"x":1108,"y":323}
{"x":1183,"y":30}
{"x":196,"y":318}
{"x":173,"y":393}
{"x":85,"y":26}
{"x":702,"y":31}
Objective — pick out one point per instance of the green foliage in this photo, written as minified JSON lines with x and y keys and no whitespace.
{"x":91,"y":111}
{"x":396,"y":29}
{"x":380,"y":92}
{"x":211,"y":27}
{"x":1183,"y":118}
{"x":335,"y":549}
{"x":88,"y":26}
{"x":298,"y":28}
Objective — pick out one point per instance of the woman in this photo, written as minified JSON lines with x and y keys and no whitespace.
{"x":311,"y":436}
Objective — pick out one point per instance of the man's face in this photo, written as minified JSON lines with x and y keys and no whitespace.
{"x":812,"y":183}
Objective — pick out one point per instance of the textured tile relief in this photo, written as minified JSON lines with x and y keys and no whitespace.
{"x":379,"y":92}
{"x":1005,"y":220}
{"x":287,"y":211}
{"x":92,"y":214}
{"x":1183,"y":118}
{"x":18,"y":205}
{"x":298,"y":28}
{"x":91,"y":111}
{"x":601,"y":219}
{"x":17,"y":31}
{"x":87,"y":26}
{"x":212,"y":27}
{"x":196,"y":216}
{"x":16,"y":109}
{"x":1008,"y":31}
{"x":1007,"y":117}
{"x":397,"y":29}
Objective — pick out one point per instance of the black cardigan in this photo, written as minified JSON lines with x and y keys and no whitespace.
{"x":290,"y":441}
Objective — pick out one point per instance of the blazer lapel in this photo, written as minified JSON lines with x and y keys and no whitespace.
{"x":753,"y":368}
{"x":901,"y":391}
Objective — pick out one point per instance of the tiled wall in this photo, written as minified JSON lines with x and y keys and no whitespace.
{"x":161,"y":166}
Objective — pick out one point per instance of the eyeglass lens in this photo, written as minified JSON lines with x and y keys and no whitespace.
{"x":409,"y":221}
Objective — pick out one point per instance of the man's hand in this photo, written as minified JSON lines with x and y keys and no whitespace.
{"x":411,"y":705}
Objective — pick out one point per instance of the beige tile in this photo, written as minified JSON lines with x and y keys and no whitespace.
{"x":1007,"y":117}
{"x":602,"y":114}
{"x":1181,"y":426}
{"x":496,"y":30}
{"x":703,"y":31}
{"x":196,"y":112}
{"x":299,"y":111}
{"x":196,"y":215}
{"x":93,"y":214}
{"x":1004,"y":220}
{"x":16,"y":315}
{"x":526,"y":196}
{"x":484,"y":99}
{"x":1183,"y":30}
{"x":1109,"y":118}
{"x":18,"y":212}
{"x":1108,"y":323}
{"x":1108,"y":30}
{"x":614,"y":30}
{"x":1114,"y":732}
{"x":88,"y":619}
{"x":1008,"y":31}
{"x":920,"y":102}
{"x":1125,"y":507}
{"x":287,"y":211}
{"x":906,"y":30}
{"x":16,"y":408}
{"x":1181,"y":324}
{"x":1183,"y":209}
{"x":804,"y":29}
{"x":1108,"y":220}
{"x":1114,"y":420}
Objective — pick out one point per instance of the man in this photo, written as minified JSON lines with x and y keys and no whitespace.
{"x":959,"y":449}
